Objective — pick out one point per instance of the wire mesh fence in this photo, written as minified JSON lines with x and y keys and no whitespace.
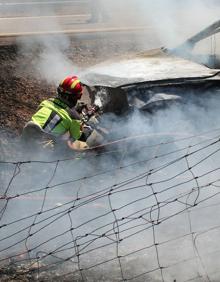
{"x":146,"y":211}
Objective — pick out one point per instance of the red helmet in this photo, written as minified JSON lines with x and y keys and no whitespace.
{"x":71,"y":85}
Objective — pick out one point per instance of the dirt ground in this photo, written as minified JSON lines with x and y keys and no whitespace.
{"x":21,"y":91}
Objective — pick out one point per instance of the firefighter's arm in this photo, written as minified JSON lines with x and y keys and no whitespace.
{"x":77,"y":138}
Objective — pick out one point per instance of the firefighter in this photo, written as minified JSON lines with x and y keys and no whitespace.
{"x":57,"y":119}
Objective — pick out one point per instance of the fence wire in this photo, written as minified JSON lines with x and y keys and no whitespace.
{"x":142,"y":212}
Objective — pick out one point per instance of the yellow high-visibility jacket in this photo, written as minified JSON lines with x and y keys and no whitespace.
{"x":54,"y":117}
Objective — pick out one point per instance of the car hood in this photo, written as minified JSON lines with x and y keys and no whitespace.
{"x":150,"y":66}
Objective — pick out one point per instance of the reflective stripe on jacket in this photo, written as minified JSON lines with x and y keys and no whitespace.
{"x":53,"y":116}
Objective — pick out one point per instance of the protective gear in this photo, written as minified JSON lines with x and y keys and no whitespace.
{"x":70,"y":90}
{"x":54,"y":117}
{"x":86,"y":132}
{"x":71,"y":85}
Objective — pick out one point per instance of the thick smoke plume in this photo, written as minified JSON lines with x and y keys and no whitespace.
{"x":89,"y":211}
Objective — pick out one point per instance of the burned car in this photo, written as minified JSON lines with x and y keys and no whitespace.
{"x":154,"y":79}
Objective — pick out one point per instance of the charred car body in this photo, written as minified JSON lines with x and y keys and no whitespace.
{"x":154,"y":79}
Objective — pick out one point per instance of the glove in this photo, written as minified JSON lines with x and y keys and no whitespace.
{"x":86,"y":132}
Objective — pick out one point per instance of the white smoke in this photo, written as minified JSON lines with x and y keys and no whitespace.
{"x":163,"y":23}
{"x":52,"y":65}
{"x":49,"y":60}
